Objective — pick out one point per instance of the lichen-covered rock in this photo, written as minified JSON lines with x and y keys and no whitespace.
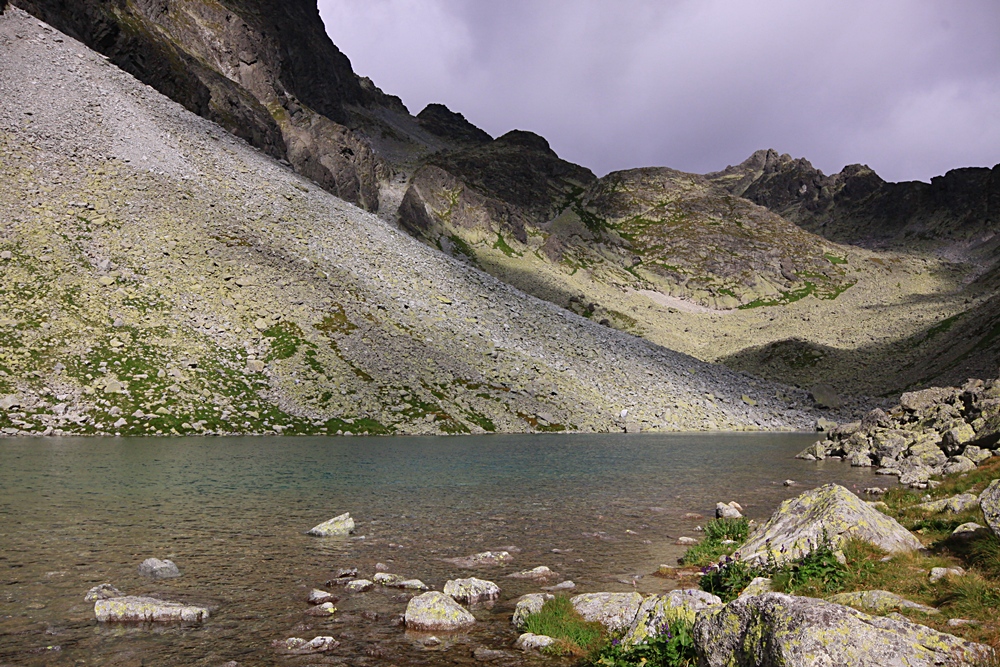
{"x":338,"y":525}
{"x":435,"y":612}
{"x":471,"y":590}
{"x":989,"y":502}
{"x":388,"y":579}
{"x":879,"y":602}
{"x":615,"y":611}
{"x":939,"y":573}
{"x":134,"y":609}
{"x":159,"y":569}
{"x":921,"y":401}
{"x":800,"y":523}
{"x":528,"y":604}
{"x":775,"y":629}
{"x":658,"y":611}
{"x":955,"y":504}
{"x":532,"y":642}
{"x":758,"y":586}
{"x":976,"y":454}
{"x":958,"y":464}
{"x":359,"y":585}
{"x":316,"y":596}
{"x":966,"y":530}
{"x":102,"y":592}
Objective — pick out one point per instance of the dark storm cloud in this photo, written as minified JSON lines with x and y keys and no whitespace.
{"x":910,"y":87}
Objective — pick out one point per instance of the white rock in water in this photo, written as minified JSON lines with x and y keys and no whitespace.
{"x":338,"y":525}
{"x":540,"y":572}
{"x":159,"y":569}
{"x":134,"y":609}
{"x":435,"y":612}
{"x":359,"y":585}
{"x":727,"y":511}
{"x":316,"y":596}
{"x":471,"y":590}
{"x":532,"y":642}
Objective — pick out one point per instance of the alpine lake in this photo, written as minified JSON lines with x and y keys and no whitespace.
{"x":604,"y":511}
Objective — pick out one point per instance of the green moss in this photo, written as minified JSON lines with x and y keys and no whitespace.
{"x":502,"y":246}
{"x":286,"y":338}
{"x":834,"y":259}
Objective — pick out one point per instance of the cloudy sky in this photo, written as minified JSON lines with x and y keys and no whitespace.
{"x":909,"y":87}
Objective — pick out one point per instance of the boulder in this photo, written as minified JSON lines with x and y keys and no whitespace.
{"x":758,"y":586}
{"x":825,"y":425}
{"x":939,"y":573}
{"x":958,"y":435}
{"x":155,"y":568}
{"x":966,"y":530}
{"x":879,"y":602}
{"x":338,"y":525}
{"x":299,"y":646}
{"x":615,"y":611}
{"x":317,"y":596}
{"x":957,"y":465}
{"x":955,"y":504}
{"x":800,"y":523}
{"x":728,"y":510}
{"x":540,"y":572}
{"x":776,"y":629}
{"x":532,"y":642}
{"x":388,"y":579}
{"x":323,"y":610}
{"x":814,"y":452}
{"x":657,"y":611}
{"x":471,"y":590}
{"x":826,"y":396}
{"x":359,"y":585}
{"x":134,"y":609}
{"x":921,"y":401}
{"x":528,"y":604}
{"x":976,"y":454}
{"x":989,"y":502}
{"x":436,"y":612}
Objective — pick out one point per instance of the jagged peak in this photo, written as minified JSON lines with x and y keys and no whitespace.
{"x":526,"y":139}
{"x":443,"y":122}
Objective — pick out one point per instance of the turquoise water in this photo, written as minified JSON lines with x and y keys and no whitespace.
{"x":232,"y":512}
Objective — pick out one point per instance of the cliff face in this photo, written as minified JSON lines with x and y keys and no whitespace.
{"x":263,"y":69}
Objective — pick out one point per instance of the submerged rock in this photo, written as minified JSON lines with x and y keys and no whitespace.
{"x":615,"y":611}
{"x":159,"y":569}
{"x":471,"y":590}
{"x":777,"y":629}
{"x":485,"y":558}
{"x":134,"y":609}
{"x":540,"y":572}
{"x":800,"y":523}
{"x":338,"y":525}
{"x":299,"y":646}
{"x":434,"y":612}
{"x":657,"y":612}
{"x":102,"y":592}
{"x":528,"y":604}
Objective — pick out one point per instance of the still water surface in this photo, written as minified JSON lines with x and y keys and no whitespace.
{"x":232,"y":512}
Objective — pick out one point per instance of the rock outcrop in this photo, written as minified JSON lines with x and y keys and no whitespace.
{"x":777,"y":629}
{"x":829,"y":512}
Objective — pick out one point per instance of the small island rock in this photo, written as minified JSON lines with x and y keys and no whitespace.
{"x":159,"y":569}
{"x":434,"y":612}
{"x":471,"y":590}
{"x":338,"y":525}
{"x":134,"y":609}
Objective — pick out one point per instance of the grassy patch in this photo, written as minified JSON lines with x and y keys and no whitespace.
{"x":503,"y":247}
{"x":286,"y":338}
{"x":573,"y":635}
{"x":673,"y":646}
{"x":722,"y":536}
{"x":834,"y":259}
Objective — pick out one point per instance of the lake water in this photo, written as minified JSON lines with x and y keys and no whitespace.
{"x":232,"y":512}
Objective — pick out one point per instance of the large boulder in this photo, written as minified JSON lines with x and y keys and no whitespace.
{"x":436,"y":612}
{"x":658,"y":611}
{"x":800,"y":524}
{"x":154,"y":568}
{"x":775,"y":629}
{"x":989,"y":502}
{"x":134,"y":609}
{"x":471,"y":590}
{"x":921,"y":401}
{"x":338,"y":525}
{"x":615,"y":611}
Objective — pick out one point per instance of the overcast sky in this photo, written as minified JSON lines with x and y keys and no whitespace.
{"x":909,"y":87}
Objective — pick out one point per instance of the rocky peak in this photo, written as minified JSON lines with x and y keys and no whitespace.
{"x":441,"y":121}
{"x":525,"y":139}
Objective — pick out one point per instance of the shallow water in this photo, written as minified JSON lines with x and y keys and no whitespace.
{"x":232,"y":512}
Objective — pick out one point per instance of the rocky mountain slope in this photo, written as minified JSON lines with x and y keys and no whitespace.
{"x":159,"y":275}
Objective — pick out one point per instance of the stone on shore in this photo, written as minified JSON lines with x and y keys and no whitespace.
{"x":528,"y":604}
{"x":989,"y":502}
{"x":102,"y":592}
{"x":658,"y":611}
{"x":135,"y":609}
{"x":338,"y":525}
{"x":434,"y":612}
{"x":800,"y":523}
{"x":615,"y":611}
{"x":777,"y":629}
{"x":155,"y":568}
{"x":471,"y":590}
